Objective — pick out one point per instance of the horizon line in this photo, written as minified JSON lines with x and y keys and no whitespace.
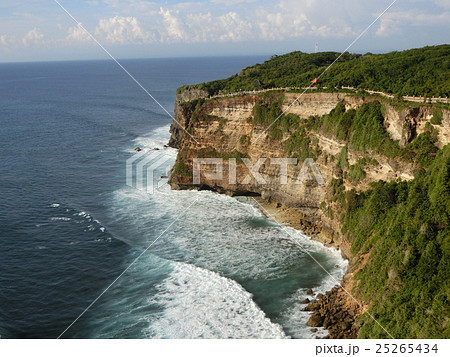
{"x":256,"y":54}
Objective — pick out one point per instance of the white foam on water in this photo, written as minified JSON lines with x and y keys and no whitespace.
{"x":216,"y":234}
{"x":294,"y":315}
{"x":90,"y":228}
{"x":83,"y":214}
{"x":91,"y":224}
{"x":60,"y":219}
{"x":218,"y":227}
{"x":156,"y":139}
{"x":87,"y":222}
{"x":202,"y":304}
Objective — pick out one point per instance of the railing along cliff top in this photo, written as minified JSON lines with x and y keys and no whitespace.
{"x":386,"y":95}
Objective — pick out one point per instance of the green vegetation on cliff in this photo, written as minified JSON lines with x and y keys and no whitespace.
{"x":362,"y":128}
{"x":405,"y":228}
{"x":418,"y":72}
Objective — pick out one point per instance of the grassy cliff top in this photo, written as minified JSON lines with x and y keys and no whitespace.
{"x":417,"y":72}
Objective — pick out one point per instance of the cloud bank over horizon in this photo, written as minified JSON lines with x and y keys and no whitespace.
{"x":162,"y":28}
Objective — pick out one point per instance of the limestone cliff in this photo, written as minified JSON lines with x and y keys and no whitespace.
{"x":224,"y":125}
{"x":226,"y":128}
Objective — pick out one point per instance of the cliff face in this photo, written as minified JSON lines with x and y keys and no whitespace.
{"x":224,"y":125}
{"x":226,"y":128}
{"x":182,"y":116}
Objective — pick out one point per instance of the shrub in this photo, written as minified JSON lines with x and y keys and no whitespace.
{"x":244,"y":140}
{"x":275,"y":133}
{"x":181,"y":169}
{"x":424,"y":148}
{"x":437,"y":117}
{"x":342,"y":162}
{"x":299,"y":145}
{"x":267,"y":112}
{"x":356,"y":172}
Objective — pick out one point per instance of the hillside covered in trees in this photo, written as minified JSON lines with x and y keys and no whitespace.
{"x":416,"y":72}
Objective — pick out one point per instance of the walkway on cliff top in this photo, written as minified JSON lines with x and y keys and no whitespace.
{"x":386,"y":95}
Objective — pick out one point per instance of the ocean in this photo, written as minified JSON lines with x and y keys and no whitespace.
{"x":69,"y":224}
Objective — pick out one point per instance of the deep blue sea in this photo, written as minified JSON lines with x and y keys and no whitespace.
{"x":69,"y":224}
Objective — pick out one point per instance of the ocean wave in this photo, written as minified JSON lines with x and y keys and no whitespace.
{"x":202,"y":304}
{"x":83,"y":218}
{"x":156,"y":139}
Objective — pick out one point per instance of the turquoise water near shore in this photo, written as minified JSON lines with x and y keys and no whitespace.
{"x":69,"y":224}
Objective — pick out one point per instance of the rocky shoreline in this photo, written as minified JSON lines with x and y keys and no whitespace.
{"x":332,"y":312}
{"x":335,"y":310}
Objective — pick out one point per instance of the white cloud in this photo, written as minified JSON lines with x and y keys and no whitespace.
{"x":442,"y":3}
{"x":291,"y":19}
{"x":421,"y":19}
{"x":280,"y":21}
{"x":34,"y":37}
{"x":78,"y":34}
{"x":112,"y":3}
{"x":133,"y":7}
{"x":212,"y":21}
{"x":173,"y":29}
{"x":234,"y":28}
{"x":394,"y":23}
{"x":177,"y":26}
{"x":4,"y":41}
{"x":198,"y":24}
{"x":122,"y":30}
{"x":231,"y":2}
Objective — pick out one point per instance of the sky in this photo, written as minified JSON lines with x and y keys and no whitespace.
{"x":40,"y":30}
